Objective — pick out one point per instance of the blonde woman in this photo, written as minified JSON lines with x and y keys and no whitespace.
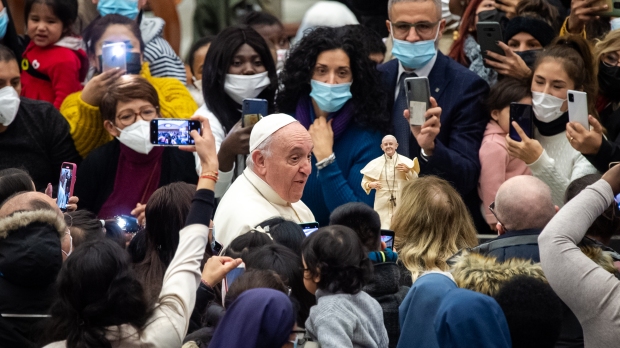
{"x":598,"y":149}
{"x":431,"y":224}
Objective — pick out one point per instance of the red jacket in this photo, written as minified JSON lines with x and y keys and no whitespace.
{"x":51,"y":73}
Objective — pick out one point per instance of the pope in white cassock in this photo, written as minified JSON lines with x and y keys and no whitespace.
{"x":272,"y":184}
{"x":387,"y":174}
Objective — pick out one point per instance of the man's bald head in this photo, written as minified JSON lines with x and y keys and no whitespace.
{"x":524,"y":202}
{"x":28,"y":201}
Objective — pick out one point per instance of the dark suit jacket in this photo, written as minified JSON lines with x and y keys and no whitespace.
{"x":461,"y":95}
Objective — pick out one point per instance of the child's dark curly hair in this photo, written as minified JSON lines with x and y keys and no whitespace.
{"x":336,"y":254}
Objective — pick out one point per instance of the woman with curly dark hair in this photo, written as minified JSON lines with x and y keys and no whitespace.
{"x":331,"y":86}
{"x":238,"y":65}
{"x":336,"y":268}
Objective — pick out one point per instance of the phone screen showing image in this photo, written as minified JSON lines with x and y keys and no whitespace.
{"x":309,"y":227}
{"x":388,"y":240}
{"x":64,"y":188}
{"x":170,"y":132}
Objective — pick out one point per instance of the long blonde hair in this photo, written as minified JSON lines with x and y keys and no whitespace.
{"x":431,"y":224}
{"x":610,"y":43}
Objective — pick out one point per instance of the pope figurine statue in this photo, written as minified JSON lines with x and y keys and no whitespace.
{"x":387,"y":174}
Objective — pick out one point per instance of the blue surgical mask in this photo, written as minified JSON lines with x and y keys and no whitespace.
{"x":414,"y":55}
{"x":330,"y":98}
{"x":127,"y":8}
{"x":4,"y":23}
{"x":615,"y":24}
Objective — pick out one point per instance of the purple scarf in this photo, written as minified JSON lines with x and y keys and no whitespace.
{"x":304,"y":113}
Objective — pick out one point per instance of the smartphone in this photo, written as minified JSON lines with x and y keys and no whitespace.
{"x":418,"y":99}
{"x":252,"y":111}
{"x":522,"y":114}
{"x":612,"y":11}
{"x":231,"y":277}
{"x":113,"y":56}
{"x":578,"y":108}
{"x":216,"y":247}
{"x":309,"y":227}
{"x":65,"y":184}
{"x":387,"y":236}
{"x":127,"y":223}
{"x":173,"y":132}
{"x":488,"y":34}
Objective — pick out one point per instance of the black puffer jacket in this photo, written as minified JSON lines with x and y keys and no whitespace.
{"x":30,"y":259}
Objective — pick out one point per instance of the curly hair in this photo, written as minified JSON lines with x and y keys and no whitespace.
{"x":369,"y":98}
{"x":217,"y":62}
{"x":337,"y":255}
{"x":96,"y":289}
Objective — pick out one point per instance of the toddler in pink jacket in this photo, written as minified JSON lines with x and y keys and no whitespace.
{"x":496,"y":166}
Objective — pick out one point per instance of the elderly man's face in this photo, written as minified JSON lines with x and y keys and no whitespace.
{"x":288,"y":167}
{"x":389,"y":146}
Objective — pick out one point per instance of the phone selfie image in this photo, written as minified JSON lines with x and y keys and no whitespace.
{"x":64,"y":185}
{"x":166,"y":132}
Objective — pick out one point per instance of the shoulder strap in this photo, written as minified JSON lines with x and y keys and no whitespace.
{"x":27,"y":67}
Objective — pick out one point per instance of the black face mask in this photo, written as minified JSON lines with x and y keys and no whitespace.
{"x":492,"y":16}
{"x":133,"y":63}
{"x":529,"y":57}
{"x":609,"y":81}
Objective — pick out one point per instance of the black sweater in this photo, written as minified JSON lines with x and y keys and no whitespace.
{"x":38,"y":141}
{"x":610,"y":147}
{"x":95,"y":177}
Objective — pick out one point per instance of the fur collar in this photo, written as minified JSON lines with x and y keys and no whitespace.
{"x":484,"y":274}
{"x":25,"y":218}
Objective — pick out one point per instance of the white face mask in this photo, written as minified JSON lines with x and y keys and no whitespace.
{"x":9,"y":104}
{"x":197,"y":84}
{"x":137,"y":137}
{"x":239,"y":87}
{"x":546,"y":107}
{"x":282,"y":55}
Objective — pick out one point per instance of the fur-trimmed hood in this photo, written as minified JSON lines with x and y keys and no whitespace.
{"x":30,"y":253}
{"x":25,"y":218}
{"x":484,"y":274}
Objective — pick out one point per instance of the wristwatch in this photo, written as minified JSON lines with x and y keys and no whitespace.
{"x":327,"y":161}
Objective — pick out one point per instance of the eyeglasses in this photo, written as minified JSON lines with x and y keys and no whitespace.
{"x":492,"y":209}
{"x":610,"y":59}
{"x":423,"y":29}
{"x":128,"y":117}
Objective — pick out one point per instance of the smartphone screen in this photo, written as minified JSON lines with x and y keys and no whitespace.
{"x":65,"y":184}
{"x":522,"y":114}
{"x":114,"y":56}
{"x":253,"y":110}
{"x":173,"y":132}
{"x":309,"y":227}
{"x":387,"y":236}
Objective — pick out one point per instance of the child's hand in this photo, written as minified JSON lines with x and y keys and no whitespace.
{"x":99,"y":85}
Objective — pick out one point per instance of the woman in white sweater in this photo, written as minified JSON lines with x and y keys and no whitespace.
{"x":101,"y":303}
{"x":565,"y":65}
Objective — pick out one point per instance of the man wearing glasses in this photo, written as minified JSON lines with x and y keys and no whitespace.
{"x":456,"y":104}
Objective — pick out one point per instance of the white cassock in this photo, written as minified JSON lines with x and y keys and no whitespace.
{"x":383,"y":169}
{"x":250,"y":201}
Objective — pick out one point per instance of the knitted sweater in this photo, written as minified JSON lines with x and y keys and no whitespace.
{"x":339,"y":182}
{"x":591,"y":292}
{"x":86,"y":122}
{"x":345,"y":320}
{"x":559,"y":164}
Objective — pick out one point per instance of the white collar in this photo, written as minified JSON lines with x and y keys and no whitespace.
{"x":421,"y":72}
{"x":263,"y":188}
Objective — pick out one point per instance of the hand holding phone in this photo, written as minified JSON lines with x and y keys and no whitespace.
{"x":488,"y":35}
{"x":230,"y":277}
{"x":65,"y":184}
{"x":252,"y":111}
{"x":173,"y":132}
{"x":522,"y":114}
{"x":387,"y":236}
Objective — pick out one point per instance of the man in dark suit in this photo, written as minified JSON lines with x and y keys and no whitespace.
{"x":457,"y":103}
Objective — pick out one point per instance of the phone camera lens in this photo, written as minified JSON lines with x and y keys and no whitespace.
{"x":570,"y":97}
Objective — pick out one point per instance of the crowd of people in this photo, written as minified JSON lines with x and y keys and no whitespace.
{"x":280,"y":233}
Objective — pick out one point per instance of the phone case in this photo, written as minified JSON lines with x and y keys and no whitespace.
{"x":69,"y":170}
{"x":418,"y":99}
{"x":578,"y":108}
{"x":253,"y":110}
{"x":488,"y":34}
{"x":523,"y":115}
{"x":613,"y":10}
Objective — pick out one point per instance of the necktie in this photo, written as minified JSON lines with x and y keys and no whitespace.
{"x":401,"y":126}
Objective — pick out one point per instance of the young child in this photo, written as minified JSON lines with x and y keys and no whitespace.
{"x":195,"y":61}
{"x":336,"y":267}
{"x":54,"y":63}
{"x":496,"y":166}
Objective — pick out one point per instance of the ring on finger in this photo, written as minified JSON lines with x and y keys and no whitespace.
{"x":571,"y":139}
